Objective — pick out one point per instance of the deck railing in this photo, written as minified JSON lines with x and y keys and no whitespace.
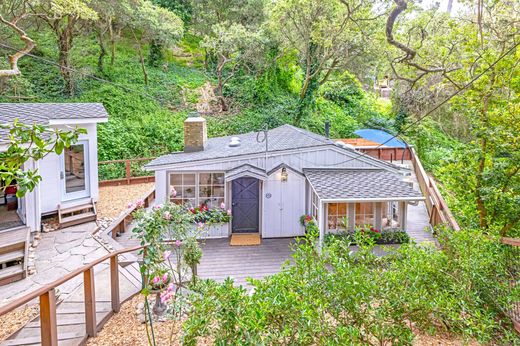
{"x":124,"y":172}
{"x":47,"y":298}
{"x":435,"y":204}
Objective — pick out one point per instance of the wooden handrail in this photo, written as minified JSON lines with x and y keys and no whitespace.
{"x":126,"y":160}
{"x":437,"y":207}
{"x":43,"y":290}
{"x":120,"y":224}
{"x":510,"y":241}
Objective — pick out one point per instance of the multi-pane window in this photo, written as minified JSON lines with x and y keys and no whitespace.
{"x":365,"y":214}
{"x":211,"y":189}
{"x":314,"y":205}
{"x":197,"y":188}
{"x":337,"y":214}
{"x":390,"y":215}
{"x":182,"y":188}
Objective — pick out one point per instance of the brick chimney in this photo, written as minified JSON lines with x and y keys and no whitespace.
{"x":195,"y":133}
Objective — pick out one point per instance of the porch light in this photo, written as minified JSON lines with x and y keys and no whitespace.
{"x":284,"y":174}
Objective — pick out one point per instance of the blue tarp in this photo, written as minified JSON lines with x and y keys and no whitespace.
{"x":381,"y":137}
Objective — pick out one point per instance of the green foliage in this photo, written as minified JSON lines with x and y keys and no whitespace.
{"x":26,"y":143}
{"x":344,"y":297}
{"x":386,"y":236}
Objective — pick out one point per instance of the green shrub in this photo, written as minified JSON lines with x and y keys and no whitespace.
{"x":353,"y":298}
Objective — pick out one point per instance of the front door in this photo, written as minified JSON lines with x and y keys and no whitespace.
{"x":245,"y":202}
{"x":75,"y":172}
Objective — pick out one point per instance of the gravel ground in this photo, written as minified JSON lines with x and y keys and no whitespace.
{"x":113,"y":200}
{"x":14,"y":320}
{"x":125,"y":329}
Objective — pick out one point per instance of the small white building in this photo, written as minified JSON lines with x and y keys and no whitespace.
{"x":69,"y":180}
{"x":270,"y":179}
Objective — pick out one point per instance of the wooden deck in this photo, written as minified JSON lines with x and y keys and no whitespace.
{"x":220,"y":260}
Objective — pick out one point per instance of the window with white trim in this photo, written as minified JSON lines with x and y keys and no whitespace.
{"x":182,"y":188}
{"x":314,"y":205}
{"x":211,"y":189}
{"x":197,"y":188}
{"x":337,"y":214}
{"x":365,"y":214}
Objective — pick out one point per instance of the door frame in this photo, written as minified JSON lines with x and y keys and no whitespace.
{"x":79,"y":194}
{"x":259,"y":204}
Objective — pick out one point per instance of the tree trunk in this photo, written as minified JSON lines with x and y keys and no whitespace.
{"x":480,"y":176}
{"x":219,"y":90}
{"x":141,"y":58}
{"x":112,"y":43}
{"x":65,"y":41}
{"x":102,"y":51}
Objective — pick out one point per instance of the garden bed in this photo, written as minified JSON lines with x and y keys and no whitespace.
{"x":113,"y":200}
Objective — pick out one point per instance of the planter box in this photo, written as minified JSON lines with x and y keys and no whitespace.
{"x":220,"y":230}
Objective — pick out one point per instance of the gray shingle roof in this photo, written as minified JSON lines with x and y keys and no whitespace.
{"x":41,"y":113}
{"x":285,"y":137}
{"x":359,"y":184}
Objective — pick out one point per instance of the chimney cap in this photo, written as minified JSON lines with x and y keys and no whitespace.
{"x":194,"y":115}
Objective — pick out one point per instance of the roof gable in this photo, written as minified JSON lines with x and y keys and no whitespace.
{"x":285,"y":137}
{"x":46,"y":113}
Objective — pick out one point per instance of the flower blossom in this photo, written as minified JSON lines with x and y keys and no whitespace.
{"x":165,"y":278}
{"x":178,"y":243}
{"x":222,"y":205}
{"x":130,"y":205}
{"x":166,"y":254}
{"x":156,"y":280}
{"x":167,"y":215}
{"x":139,"y":203}
{"x":229,"y":211}
{"x":200,"y":224}
{"x":157,"y":206}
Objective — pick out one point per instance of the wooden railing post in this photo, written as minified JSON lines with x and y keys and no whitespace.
{"x":128,"y":171}
{"x":114,"y":283}
{"x":48,"y":323}
{"x":90,"y":302}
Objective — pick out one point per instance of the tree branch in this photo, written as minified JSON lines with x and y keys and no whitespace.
{"x":13,"y":59}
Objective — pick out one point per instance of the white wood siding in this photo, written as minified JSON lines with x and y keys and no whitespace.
{"x":51,"y":186}
{"x":282,"y":211}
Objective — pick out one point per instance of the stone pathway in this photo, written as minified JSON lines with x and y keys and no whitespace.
{"x":57,"y":254}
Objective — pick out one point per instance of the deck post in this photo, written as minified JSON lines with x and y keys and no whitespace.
{"x":321,"y":224}
{"x":48,"y":323}
{"x":114,"y":283}
{"x":90,"y":302}
{"x":403,"y":214}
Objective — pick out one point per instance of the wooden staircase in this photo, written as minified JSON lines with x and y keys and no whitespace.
{"x":14,"y":244}
{"x":78,"y":214}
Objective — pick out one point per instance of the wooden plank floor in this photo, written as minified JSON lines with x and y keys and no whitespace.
{"x":220,"y":260}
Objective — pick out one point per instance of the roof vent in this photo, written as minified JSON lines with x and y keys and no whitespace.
{"x":234,"y":142}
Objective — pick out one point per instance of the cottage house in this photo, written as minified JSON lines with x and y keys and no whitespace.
{"x":270,"y":179}
{"x":69,"y":186}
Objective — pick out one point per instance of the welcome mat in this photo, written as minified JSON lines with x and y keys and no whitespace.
{"x":245,"y":239}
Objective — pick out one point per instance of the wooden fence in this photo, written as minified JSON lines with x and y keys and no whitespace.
{"x":124,"y":172}
{"x":435,"y":203}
